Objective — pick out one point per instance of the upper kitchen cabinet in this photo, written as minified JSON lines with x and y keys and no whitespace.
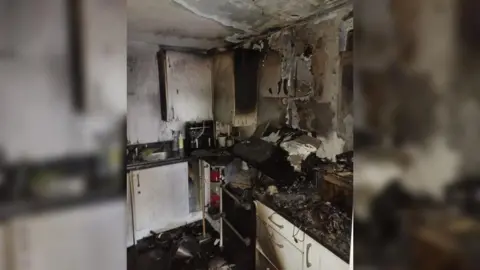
{"x":185,"y":86}
{"x":235,"y":87}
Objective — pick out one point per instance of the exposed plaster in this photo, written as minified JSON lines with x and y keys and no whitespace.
{"x":310,"y":68}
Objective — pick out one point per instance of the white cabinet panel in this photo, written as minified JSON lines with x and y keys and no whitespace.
{"x":312,"y":259}
{"x":88,"y":237}
{"x":223,"y":87}
{"x":160,"y":198}
{"x":317,"y":257}
{"x":331,"y":261}
{"x":289,"y":256}
{"x":189,"y":87}
{"x":277,"y":249}
{"x":293,"y":234}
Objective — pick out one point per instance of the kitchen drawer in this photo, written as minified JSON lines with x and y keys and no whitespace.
{"x":277,"y":249}
{"x":292,"y":233}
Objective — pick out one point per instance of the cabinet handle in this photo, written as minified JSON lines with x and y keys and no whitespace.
{"x":138,"y":180}
{"x":276,"y":224}
{"x":308,"y":252}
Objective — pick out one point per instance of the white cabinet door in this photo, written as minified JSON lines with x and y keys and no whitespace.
{"x":289,"y":256}
{"x":331,"y":261}
{"x":317,"y":257}
{"x":160,"y":198}
{"x":293,"y":234}
{"x":312,"y":257}
{"x":223,"y":87}
{"x":277,"y":249}
{"x":189,"y":87}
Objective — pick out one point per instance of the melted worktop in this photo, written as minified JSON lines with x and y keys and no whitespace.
{"x":302,"y":205}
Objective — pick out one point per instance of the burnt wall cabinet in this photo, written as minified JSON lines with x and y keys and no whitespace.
{"x":185,"y":85}
{"x":235,"y":93}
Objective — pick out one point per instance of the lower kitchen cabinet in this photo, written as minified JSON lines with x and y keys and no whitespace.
{"x":317,"y":257}
{"x":312,"y":259}
{"x":331,"y":261}
{"x":274,"y":240}
{"x":289,"y":256}
{"x":277,"y":249}
{"x":159,"y":198}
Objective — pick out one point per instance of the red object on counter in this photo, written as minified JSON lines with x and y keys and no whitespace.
{"x":215,"y":200}
{"x":214,"y":176}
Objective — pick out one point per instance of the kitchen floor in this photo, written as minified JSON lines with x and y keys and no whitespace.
{"x":163,"y":252}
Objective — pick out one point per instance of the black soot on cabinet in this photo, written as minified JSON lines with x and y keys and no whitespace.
{"x":246,"y":66}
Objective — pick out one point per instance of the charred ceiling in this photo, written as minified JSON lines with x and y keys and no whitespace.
{"x":206,"y":24}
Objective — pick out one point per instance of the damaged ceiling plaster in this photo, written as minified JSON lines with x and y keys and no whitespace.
{"x":207,"y":24}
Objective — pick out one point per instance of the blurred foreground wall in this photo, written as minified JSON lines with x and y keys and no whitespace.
{"x":62,"y":111}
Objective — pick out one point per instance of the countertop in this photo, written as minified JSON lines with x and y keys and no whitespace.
{"x":302,"y":205}
{"x":213,"y":156}
{"x":142,"y":165}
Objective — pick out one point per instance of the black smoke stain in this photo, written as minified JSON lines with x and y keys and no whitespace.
{"x":285,"y":84}
{"x":316,"y":117}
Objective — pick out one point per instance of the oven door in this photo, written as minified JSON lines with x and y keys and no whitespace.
{"x":239,"y":229}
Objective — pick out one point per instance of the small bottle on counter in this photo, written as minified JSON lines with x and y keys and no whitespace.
{"x":229,"y":141}
{"x":181,"y":152}
{"x":175,"y":141}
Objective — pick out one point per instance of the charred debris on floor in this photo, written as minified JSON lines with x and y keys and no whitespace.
{"x":183,"y":248}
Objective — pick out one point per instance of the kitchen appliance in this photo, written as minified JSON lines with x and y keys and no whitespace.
{"x":199,"y":135}
{"x":215,"y":175}
{"x":222,"y":141}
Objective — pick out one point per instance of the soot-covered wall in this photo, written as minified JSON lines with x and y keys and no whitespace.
{"x":300,"y":80}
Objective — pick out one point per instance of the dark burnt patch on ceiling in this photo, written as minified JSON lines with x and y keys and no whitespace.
{"x":251,"y":18}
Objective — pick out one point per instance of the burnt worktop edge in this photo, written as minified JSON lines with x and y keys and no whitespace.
{"x":158,"y":163}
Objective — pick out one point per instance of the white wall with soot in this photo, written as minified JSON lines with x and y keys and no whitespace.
{"x":315,"y":98}
{"x":188,"y":77}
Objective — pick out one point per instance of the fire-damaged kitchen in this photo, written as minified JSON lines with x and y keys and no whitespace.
{"x":240,"y":144}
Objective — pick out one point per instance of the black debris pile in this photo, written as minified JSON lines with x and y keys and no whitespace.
{"x":345,"y":160}
{"x":183,"y":248}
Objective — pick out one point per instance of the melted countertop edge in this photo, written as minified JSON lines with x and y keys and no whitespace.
{"x":152,"y":164}
{"x":135,"y":166}
{"x":344,"y":257}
